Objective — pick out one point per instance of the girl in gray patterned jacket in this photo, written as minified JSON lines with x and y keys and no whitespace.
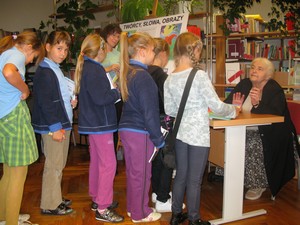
{"x":193,"y":138}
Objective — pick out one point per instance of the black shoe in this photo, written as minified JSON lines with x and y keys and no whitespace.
{"x":199,"y":222}
{"x":114,"y":204}
{"x":60,"y":210}
{"x":109,"y":216}
{"x":66,"y":202}
{"x":178,"y":218}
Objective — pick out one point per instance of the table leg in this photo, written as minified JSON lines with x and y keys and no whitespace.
{"x":233,"y":193}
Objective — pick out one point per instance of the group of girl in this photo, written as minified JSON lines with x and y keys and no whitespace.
{"x":139,"y":125}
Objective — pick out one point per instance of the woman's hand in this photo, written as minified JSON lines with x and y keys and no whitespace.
{"x":238,"y":99}
{"x":113,"y":67}
{"x":255,"y":95}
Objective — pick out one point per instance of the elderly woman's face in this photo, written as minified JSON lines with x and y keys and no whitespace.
{"x":258,"y":72}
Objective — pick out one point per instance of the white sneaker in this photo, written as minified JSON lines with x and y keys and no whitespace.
{"x":129,"y":213}
{"x":24,"y":217}
{"x":26,"y":223}
{"x":153,"y":197}
{"x":150,"y":218}
{"x":165,"y":206}
{"x":23,"y":220}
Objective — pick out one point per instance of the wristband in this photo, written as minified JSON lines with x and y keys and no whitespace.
{"x":61,"y":130}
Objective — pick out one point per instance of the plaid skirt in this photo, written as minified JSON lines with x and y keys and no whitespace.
{"x":17,"y":139}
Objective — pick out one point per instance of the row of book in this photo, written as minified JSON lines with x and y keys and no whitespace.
{"x":245,"y":49}
{"x":248,"y":24}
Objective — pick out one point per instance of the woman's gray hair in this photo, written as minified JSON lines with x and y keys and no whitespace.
{"x":269,"y":66}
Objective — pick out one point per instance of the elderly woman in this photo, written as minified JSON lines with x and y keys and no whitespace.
{"x":269,"y":148}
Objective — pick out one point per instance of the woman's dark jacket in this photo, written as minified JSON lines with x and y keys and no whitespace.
{"x":277,"y":138}
{"x":97,"y":111}
{"x":49,"y":112}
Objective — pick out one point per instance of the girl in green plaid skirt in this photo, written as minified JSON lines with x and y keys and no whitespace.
{"x":17,"y":140}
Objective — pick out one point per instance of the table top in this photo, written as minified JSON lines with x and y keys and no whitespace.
{"x":247,"y":119}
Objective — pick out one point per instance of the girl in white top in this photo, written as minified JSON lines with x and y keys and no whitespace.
{"x":193,"y":138}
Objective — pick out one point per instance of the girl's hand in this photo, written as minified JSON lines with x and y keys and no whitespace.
{"x":25,"y":94}
{"x":237,"y":110}
{"x":59,"y":135}
{"x":238,"y":99}
{"x":74,"y":101}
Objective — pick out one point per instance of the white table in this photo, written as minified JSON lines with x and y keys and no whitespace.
{"x":234,"y":161}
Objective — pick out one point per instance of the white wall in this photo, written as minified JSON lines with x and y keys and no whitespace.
{"x":15,"y":15}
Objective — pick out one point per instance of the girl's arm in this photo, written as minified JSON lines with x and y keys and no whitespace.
{"x":12,"y":75}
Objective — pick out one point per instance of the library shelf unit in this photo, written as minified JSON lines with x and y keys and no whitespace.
{"x":220,"y":54}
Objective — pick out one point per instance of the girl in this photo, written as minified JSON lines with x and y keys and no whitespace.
{"x":161,"y":176}
{"x":17,"y":140}
{"x":52,"y":118}
{"x":140,"y":124}
{"x":97,"y":118}
{"x":193,"y":138}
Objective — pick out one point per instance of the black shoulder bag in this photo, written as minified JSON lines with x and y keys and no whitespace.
{"x":169,"y":151}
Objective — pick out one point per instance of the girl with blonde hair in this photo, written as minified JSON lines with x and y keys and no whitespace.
{"x":193,"y":137}
{"x":17,"y":140}
{"x":139,"y":125}
{"x":97,"y":118}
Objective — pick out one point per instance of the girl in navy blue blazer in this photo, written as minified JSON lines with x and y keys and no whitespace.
{"x":97,"y":118}
{"x":139,"y":126}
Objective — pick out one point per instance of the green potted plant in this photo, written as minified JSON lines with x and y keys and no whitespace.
{"x":172,"y":6}
{"x":76,"y":15}
{"x":135,"y":10}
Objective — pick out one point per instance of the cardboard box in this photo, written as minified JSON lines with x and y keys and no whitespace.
{"x":217,"y":145}
{"x":282,"y":78}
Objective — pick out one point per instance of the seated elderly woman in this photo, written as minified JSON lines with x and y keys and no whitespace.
{"x":269,"y":159}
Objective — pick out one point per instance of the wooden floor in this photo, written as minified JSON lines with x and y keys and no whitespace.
{"x":285,"y":210}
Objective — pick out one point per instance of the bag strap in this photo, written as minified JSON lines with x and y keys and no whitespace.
{"x":182,"y":106}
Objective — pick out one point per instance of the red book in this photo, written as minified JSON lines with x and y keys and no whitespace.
{"x":235,"y":49}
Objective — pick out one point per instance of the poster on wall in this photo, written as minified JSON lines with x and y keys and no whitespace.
{"x":168,"y":28}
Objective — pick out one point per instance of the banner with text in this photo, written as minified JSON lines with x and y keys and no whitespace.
{"x":168,"y":27}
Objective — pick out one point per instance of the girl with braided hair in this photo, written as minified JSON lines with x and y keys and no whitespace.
{"x":193,"y":137}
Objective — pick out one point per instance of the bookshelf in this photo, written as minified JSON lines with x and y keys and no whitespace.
{"x":276,"y":39}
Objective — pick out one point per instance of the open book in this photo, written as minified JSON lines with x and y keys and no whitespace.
{"x":212,"y":115}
